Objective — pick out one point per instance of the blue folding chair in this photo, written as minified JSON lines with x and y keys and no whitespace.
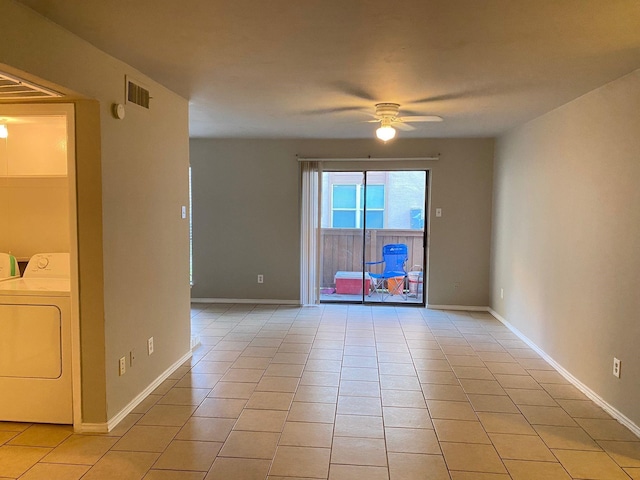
{"x":394,"y":257}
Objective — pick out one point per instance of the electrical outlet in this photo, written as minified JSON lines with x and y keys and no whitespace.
{"x":617,"y":365}
{"x":132,"y":357}
{"x":150,"y":346}
{"x":123,"y":365}
{"x":260,"y":278}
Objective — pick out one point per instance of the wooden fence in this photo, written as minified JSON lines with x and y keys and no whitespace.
{"x":341,"y":249}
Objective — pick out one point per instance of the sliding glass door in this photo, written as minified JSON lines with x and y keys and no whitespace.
{"x":372,"y":247}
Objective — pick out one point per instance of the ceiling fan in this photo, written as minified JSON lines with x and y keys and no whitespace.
{"x":387,"y":114}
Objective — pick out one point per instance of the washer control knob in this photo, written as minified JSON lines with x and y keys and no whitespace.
{"x":43,"y":262}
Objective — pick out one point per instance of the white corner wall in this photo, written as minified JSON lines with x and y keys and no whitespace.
{"x":566,"y":238}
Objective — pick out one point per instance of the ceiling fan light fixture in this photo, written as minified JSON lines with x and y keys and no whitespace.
{"x":385,"y":133}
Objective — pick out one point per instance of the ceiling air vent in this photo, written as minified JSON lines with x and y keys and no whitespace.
{"x":13,"y":88}
{"x":137,"y":94}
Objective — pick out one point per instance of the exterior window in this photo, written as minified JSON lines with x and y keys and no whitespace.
{"x":348,"y":206}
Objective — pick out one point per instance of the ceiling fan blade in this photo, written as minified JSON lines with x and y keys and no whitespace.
{"x":372,"y":121}
{"x":421,"y":118}
{"x":354,"y":91}
{"x":323,"y":111}
{"x":403,"y":126}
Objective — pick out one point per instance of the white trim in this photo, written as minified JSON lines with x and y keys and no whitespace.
{"x":369,"y":159}
{"x":117,"y":418}
{"x":260,"y":301}
{"x":623,"y":419}
{"x":468,"y":308}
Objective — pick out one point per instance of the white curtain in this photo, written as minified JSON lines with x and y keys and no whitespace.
{"x":311,"y":173}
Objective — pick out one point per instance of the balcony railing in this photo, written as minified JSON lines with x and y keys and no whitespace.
{"x":342,"y":249}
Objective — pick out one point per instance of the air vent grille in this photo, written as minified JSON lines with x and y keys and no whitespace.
{"x":13,"y":88}
{"x":137,"y":94}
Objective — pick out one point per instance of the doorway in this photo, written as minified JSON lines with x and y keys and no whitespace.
{"x":369,"y":220}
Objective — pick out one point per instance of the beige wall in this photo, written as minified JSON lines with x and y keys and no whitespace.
{"x":132,"y":181}
{"x":566,"y":237}
{"x":246,"y":214}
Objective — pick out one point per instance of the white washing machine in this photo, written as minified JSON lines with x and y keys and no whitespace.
{"x":35,"y":343}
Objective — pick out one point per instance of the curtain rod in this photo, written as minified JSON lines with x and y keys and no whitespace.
{"x":368,"y":159}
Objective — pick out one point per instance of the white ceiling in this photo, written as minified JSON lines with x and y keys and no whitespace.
{"x":315,"y":68}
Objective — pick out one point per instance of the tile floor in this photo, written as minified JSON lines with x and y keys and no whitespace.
{"x":343,"y":392}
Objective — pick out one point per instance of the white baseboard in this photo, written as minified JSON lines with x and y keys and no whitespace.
{"x":623,"y":419}
{"x":117,"y":418}
{"x":468,"y":308}
{"x":258,"y":301}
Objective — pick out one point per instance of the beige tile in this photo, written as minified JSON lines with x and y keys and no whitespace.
{"x":270,"y":401}
{"x":167,"y":415}
{"x":290,"y":358}
{"x":566,"y":438}
{"x":359,"y":373}
{"x":311,"y":462}
{"x":206,"y":429}
{"x":558,"y":391}
{"x":451,"y":410}
{"x":125,"y":425}
{"x":53,"y":471}
{"x":81,"y":449}
{"x":42,"y":436}
{"x":505,"y":423}
{"x":252,"y":362}
{"x":278,"y":384}
{"x":188,"y":455}
{"x":312,"y":412}
{"x":146,"y":404}
{"x":359,"y":406}
{"x":444,"y":392}
{"x":518,"y":381}
{"x":220,"y":408}
{"x":316,"y":394}
{"x":173,"y":475}
{"x":321,"y":379}
{"x":250,"y":445}
{"x":359,"y":451}
{"x":484,"y":387}
{"x":15,"y":460}
{"x":539,"y":415}
{"x":548,"y":376}
{"x":521,"y":396}
{"x":284,"y":370}
{"x":121,"y":465}
{"x":411,"y":440}
{"x":591,"y":465}
{"x":583,"y":409}
{"x":625,"y":454}
{"x":164,"y":387}
{"x":634,"y":473}
{"x":399,"y":382}
{"x":261,"y":420}
{"x":184,"y":396}
{"x":506,"y":368}
{"x":6,"y":436}
{"x":14,"y":426}
{"x":479,"y":476}
{"x":403,"y":398}
{"x":478,"y":373}
{"x":462,"y":431}
{"x":235,"y":390}
{"x":304,"y":434}
{"x":472,"y":457}
{"x":331,"y":366}
{"x":411,"y":466}
{"x":357,"y":472}
{"x":358,"y":426}
{"x":527,"y":470}
{"x":359,"y":388}
{"x":521,"y":447}
{"x":437,"y":378}
{"x":492,"y":403}
{"x":243,"y":375}
{"x":142,"y":438}
{"x":238,"y":469}
{"x":407,"y":417}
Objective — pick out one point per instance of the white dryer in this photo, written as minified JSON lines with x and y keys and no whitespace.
{"x":35,"y":343}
